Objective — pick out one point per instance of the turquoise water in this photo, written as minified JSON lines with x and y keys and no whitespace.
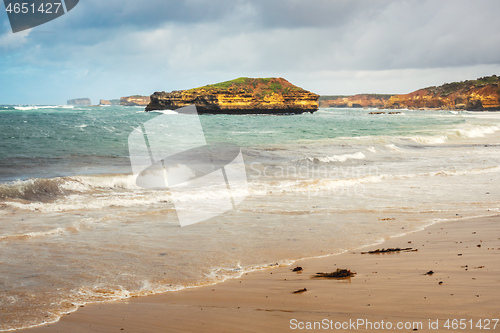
{"x":318,"y":184}
{"x":60,"y":141}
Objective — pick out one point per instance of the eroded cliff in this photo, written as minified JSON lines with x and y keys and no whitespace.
{"x":240,"y":96}
{"x":482,"y":94}
{"x":104,"y":102}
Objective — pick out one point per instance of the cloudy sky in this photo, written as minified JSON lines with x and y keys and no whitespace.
{"x":106,"y":49}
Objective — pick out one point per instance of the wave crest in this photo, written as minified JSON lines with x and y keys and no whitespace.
{"x":47,"y":189}
{"x":335,"y":158}
{"x":37,"y":189}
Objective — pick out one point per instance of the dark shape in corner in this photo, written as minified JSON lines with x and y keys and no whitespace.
{"x":70,"y":4}
{"x":31,"y":13}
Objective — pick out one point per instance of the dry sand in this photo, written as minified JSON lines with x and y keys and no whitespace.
{"x":393,"y":287}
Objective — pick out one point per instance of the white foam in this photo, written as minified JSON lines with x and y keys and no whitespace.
{"x":310,"y":185}
{"x":393,"y":147}
{"x":24,"y":108}
{"x":483,"y":115}
{"x":165,"y":111}
{"x":96,"y":202}
{"x":477,"y":131}
{"x":338,"y":158}
{"x":108,"y":182}
{"x":34,"y":234}
{"x":465,"y":172}
{"x":429,"y":139}
{"x":465,"y":131}
{"x":487,"y":170}
{"x":37,"y":107}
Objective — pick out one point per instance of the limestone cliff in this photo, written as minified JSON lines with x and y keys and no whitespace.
{"x":473,"y":95}
{"x":104,"y":102}
{"x":240,"y":96}
{"x":135,"y":100}
{"x":356,"y":101}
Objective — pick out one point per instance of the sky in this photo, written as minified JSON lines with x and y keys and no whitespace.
{"x":106,"y":49}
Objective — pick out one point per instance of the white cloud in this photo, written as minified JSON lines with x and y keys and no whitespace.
{"x":10,"y":41}
{"x":395,"y":81}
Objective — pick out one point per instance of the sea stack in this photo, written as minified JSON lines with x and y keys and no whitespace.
{"x":240,"y":96}
{"x":104,"y":102}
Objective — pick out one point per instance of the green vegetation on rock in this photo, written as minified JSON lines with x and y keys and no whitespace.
{"x":448,"y":88}
{"x":260,"y":86}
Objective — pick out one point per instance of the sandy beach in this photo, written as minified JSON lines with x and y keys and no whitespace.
{"x":388,"y":289}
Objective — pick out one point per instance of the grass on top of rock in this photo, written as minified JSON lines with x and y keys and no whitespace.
{"x":259,"y":86}
{"x":241,"y":82}
{"x":449,"y":88}
{"x":231,"y":83}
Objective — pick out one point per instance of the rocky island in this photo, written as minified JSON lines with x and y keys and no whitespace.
{"x":482,"y":94}
{"x":240,"y":96}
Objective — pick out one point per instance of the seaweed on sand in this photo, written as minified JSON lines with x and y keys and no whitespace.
{"x":338,"y":274}
{"x":300,"y":291}
{"x":390,"y":250}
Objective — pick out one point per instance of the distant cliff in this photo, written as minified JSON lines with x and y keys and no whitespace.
{"x":109,"y":102}
{"x":482,"y":94}
{"x":356,"y":101}
{"x":135,"y":100}
{"x":80,"y":102}
{"x":240,"y":96}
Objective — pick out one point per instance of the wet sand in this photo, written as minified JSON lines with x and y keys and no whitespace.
{"x":391,"y":287}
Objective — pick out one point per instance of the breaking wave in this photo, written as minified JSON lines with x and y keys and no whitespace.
{"x":466,"y":131}
{"x":38,"y":107}
{"x":47,"y":189}
{"x":336,"y":158}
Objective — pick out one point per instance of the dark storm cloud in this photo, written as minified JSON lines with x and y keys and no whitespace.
{"x":162,"y":45}
{"x":363,"y":34}
{"x":260,"y":13}
{"x":294,"y":14}
{"x":148,"y":13}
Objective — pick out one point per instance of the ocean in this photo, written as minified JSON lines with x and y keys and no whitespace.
{"x":76,"y":229}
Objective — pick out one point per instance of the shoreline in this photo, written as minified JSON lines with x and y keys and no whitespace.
{"x":263,"y":299}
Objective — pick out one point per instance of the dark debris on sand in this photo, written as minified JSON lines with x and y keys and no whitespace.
{"x":300,"y":291}
{"x":391,"y":250}
{"x":338,"y":274}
